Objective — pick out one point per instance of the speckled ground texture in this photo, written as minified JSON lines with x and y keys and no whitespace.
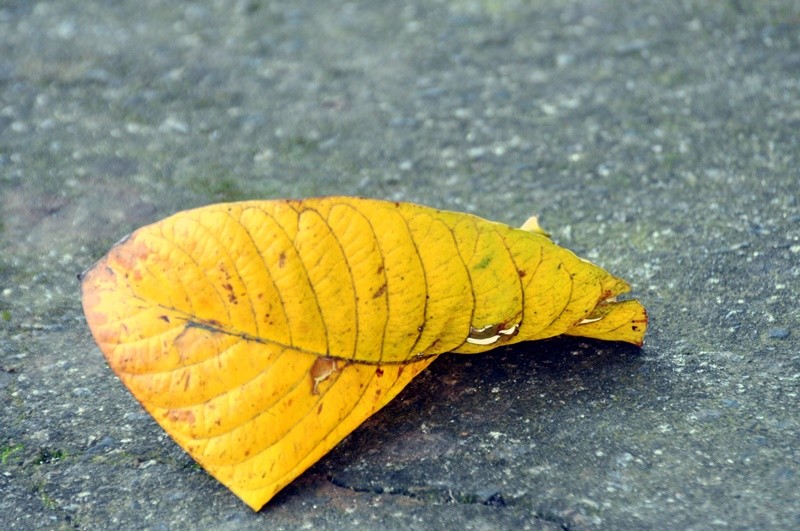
{"x":659,"y":139}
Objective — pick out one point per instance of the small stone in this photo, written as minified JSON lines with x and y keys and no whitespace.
{"x":624,"y":458}
{"x":148,"y":464}
{"x":490,"y":495}
{"x":5,"y":379}
{"x":778,"y":333}
{"x":708,"y":415}
{"x":105,"y":444}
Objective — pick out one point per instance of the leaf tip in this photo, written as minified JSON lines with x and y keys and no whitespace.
{"x":532,"y":225}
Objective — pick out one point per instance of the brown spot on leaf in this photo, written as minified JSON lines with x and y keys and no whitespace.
{"x":378,"y":372}
{"x":231,"y":295}
{"x":322,"y":369}
{"x":380,"y":291}
{"x":180,"y":415}
{"x":282,"y":259}
{"x":224,"y":270}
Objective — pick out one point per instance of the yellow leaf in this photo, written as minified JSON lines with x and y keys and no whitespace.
{"x":259,"y":334}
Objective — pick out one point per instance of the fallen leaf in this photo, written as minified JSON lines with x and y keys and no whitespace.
{"x":259,"y":334}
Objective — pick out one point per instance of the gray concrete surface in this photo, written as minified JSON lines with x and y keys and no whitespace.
{"x":659,"y":139}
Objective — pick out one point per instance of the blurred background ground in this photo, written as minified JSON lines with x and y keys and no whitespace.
{"x":659,"y":139}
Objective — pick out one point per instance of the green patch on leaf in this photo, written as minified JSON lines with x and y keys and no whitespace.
{"x":484,"y":263}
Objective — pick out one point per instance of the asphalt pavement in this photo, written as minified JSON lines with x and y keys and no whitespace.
{"x":658,"y":139}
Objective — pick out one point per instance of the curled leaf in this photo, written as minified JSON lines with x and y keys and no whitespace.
{"x":259,"y":334}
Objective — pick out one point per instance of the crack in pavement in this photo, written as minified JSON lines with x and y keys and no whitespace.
{"x":448,"y":496}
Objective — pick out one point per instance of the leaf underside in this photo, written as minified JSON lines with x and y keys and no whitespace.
{"x":259,"y":334}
